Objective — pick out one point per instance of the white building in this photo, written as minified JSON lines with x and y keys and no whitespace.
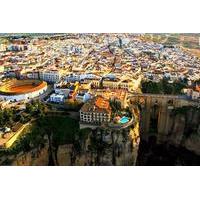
{"x":65,"y":88}
{"x":194,"y":94}
{"x":33,"y":75}
{"x":51,"y":76}
{"x":64,"y":91}
{"x":57,"y":98}
{"x":2,"y":47}
{"x":73,"y":78}
{"x":83,"y":97}
{"x":1,"y":69}
{"x":80,"y":77}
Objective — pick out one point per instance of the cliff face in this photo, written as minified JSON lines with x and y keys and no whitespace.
{"x":105,"y":147}
{"x":185,"y":129}
{"x":179,"y":127}
{"x":176,"y":144}
{"x":175,"y":141}
{"x":35,"y":157}
{"x":97,"y":147}
{"x":101,"y":147}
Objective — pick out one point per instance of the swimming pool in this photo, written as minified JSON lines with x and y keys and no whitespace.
{"x":124,"y":120}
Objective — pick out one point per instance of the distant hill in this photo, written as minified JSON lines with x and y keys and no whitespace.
{"x":187,"y":40}
{"x":29,"y":34}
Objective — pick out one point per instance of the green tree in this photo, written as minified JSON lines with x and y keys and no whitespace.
{"x":8,"y":116}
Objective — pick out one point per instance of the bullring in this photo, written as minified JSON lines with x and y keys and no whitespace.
{"x":17,"y":90}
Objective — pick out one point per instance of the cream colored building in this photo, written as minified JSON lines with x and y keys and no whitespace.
{"x":52,"y":76}
{"x":96,"y":111}
{"x":95,"y":82}
{"x":111,"y":83}
{"x":126,"y":84}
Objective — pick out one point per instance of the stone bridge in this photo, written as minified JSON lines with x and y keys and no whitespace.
{"x":168,"y":101}
{"x":159,"y":108}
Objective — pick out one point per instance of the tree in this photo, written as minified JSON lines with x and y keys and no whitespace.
{"x":1,"y":118}
{"x":29,"y":108}
{"x":163,"y":87}
{"x":21,"y":118}
{"x":35,"y":108}
{"x":8,"y":116}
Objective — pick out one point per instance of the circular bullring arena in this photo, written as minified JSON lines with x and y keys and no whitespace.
{"x":18,"y":90}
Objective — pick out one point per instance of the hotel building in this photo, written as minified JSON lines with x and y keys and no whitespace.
{"x":96,"y":111}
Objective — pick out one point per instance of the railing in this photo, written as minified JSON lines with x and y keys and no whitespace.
{"x":109,"y":124}
{"x":119,"y":126}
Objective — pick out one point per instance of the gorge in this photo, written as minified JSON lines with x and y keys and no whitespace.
{"x":166,"y":131}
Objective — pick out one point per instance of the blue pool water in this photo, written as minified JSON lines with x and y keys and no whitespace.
{"x":123,"y":120}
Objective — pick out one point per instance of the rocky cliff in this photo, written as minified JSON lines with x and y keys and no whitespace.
{"x":102,"y":146}
{"x":97,"y":147}
{"x":181,"y":144}
{"x":185,"y":128}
